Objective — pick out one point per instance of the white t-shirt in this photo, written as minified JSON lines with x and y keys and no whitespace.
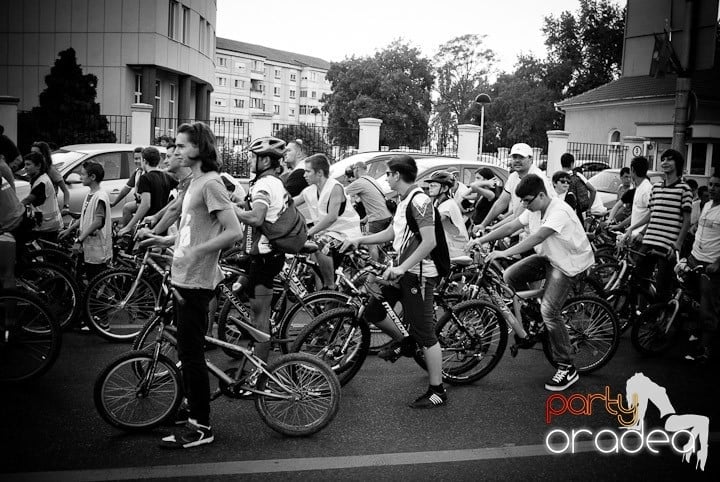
{"x":347,"y":223}
{"x":270,"y":191}
{"x":513,"y":180}
{"x":568,"y":248}
{"x":597,"y":208}
{"x":641,"y":203}
{"x":706,"y":247}
{"x":455,"y":231}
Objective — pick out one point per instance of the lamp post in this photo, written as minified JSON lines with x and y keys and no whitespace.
{"x":315,"y":111}
{"x":482,"y":99}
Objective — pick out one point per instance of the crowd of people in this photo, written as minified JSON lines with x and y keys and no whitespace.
{"x":184,"y":201}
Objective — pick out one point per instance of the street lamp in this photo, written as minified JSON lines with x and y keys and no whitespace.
{"x":482,"y":99}
{"x":315,"y":111}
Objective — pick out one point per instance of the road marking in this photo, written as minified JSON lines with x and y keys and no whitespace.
{"x":240,"y":467}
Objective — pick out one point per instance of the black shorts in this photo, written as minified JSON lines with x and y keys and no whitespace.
{"x":378,"y":226}
{"x":262,"y":269}
{"x":418,"y":310}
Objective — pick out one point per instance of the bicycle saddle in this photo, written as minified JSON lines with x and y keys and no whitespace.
{"x":309,"y":248}
{"x":461,"y":261}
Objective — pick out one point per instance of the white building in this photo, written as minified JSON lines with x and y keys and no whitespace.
{"x":250,"y":78}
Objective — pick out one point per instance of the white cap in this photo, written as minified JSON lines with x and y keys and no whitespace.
{"x":521,"y":149}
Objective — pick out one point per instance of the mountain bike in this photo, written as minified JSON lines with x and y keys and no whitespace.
{"x":295,"y":394}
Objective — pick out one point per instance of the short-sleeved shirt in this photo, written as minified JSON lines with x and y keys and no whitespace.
{"x":641,"y":202}
{"x":668,"y":203}
{"x":514,"y":179}
{"x":158,"y":184}
{"x":270,"y":191}
{"x":371,"y":196}
{"x":405,"y":242}
{"x":568,"y":248}
{"x":205,"y":197}
{"x":706,"y":247}
{"x":455,"y":231}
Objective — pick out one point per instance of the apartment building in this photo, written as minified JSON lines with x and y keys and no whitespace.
{"x":252,"y":78}
{"x":157,"y":52}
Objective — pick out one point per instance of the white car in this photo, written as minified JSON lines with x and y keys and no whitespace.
{"x":608,"y":181}
{"x":116,"y":160}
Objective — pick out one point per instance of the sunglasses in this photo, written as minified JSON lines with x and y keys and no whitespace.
{"x":564,"y":181}
{"x":529,"y":202}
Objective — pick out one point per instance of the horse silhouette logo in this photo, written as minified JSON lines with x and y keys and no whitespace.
{"x":640,"y":390}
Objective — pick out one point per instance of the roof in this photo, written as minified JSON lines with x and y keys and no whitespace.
{"x":646,"y":87}
{"x":272,"y":54}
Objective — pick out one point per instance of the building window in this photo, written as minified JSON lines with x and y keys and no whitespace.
{"x":240,"y":103}
{"x":222,"y":61}
{"x":292,"y":94}
{"x":304,"y":110}
{"x":171,"y":103}
{"x":201,"y":40}
{"x":157,"y":98}
{"x":292,"y":112}
{"x":138,"y":88}
{"x":698,"y":158}
{"x":276,"y":109}
{"x":255,"y":86}
{"x":276,"y":91}
{"x":219,"y":120}
{"x":239,"y":84}
{"x":172,"y":18}
{"x":237,"y":122}
{"x":240,"y":65}
{"x":257,"y":104}
{"x":277,"y":73}
{"x":222,"y":81}
{"x":303,"y":93}
{"x":209,"y":40}
{"x":185,"y":25}
{"x":313,"y":76}
{"x":615,"y":136}
{"x":293,"y":77}
{"x":313,"y":94}
{"x":257,"y":66}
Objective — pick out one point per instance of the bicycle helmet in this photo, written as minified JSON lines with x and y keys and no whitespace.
{"x":442,"y":177}
{"x":268,"y":146}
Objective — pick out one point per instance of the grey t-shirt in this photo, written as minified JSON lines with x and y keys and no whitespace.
{"x":371,"y":196}
{"x":204,"y":198}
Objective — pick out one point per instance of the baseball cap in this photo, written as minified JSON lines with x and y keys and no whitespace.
{"x":521,"y":149}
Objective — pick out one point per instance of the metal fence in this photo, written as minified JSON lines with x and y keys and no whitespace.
{"x":336,"y":143}
{"x":120,"y":125}
{"x":432,"y":143}
{"x":593,"y":158}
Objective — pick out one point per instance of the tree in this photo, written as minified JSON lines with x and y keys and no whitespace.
{"x":313,"y":137}
{"x":68,"y":113}
{"x":393,"y":85}
{"x":462,"y":65}
{"x":585,"y":49}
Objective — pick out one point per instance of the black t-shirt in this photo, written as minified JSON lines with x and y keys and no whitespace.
{"x":159,"y":185}
{"x":295,"y":182}
{"x":483,"y":206}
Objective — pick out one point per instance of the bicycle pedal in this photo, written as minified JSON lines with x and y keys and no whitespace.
{"x":514,"y":350}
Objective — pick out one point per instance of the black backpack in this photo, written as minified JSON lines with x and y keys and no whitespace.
{"x":580,"y":190}
{"x":440,"y":254}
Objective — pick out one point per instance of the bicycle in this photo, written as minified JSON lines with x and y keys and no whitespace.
{"x":30,"y":337}
{"x":295,"y":394}
{"x":656,"y":328}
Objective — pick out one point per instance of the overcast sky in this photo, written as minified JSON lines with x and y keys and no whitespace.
{"x":335,"y":29}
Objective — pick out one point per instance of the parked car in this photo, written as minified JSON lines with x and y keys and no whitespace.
{"x":608,"y":181}
{"x":590,"y":168}
{"x":116,"y":160}
{"x":374,"y":161}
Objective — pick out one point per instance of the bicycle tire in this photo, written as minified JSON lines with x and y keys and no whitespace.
{"x":53,"y":256}
{"x":146,"y":339}
{"x":315,"y":390}
{"x":229,"y":331}
{"x":473,"y":337}
{"x":298,"y":317}
{"x":594,"y":333}
{"x":327,"y":336}
{"x":35,"y":338}
{"x":117,"y":400}
{"x":57,"y":288}
{"x":648,"y":335}
{"x":606,"y":272}
{"x":101,"y":298}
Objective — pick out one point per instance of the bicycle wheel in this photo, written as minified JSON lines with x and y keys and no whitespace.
{"x":310,"y":394}
{"x":31,"y":345}
{"x":473,"y":337}
{"x":54,"y":256}
{"x":606,"y":272}
{"x":299,"y":315}
{"x":135,"y":392}
{"x":338,"y":338}
{"x":108,"y":314}
{"x":146,"y":339}
{"x":229,"y":330}
{"x":55,"y":287}
{"x":594,"y":333}
{"x":648,"y":334}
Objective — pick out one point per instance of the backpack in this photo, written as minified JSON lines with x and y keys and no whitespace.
{"x":389,"y":203}
{"x":440,"y":254}
{"x":580,"y":190}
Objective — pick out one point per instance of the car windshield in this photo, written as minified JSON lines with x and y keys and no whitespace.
{"x":61,"y":158}
{"x":606,"y":181}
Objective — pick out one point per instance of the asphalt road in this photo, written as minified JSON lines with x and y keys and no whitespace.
{"x":494,"y":429}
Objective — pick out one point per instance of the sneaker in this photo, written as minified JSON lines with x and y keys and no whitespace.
{"x":565,"y":376}
{"x":193,"y":435}
{"x":430,"y":399}
{"x":182,"y":416}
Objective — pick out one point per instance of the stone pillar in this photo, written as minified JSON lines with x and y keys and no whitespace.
{"x":8,"y":117}
{"x":557,"y":146}
{"x":141,"y":133}
{"x":537,"y":152}
{"x":503,"y":153}
{"x":468,"y":141}
{"x":261,"y":124}
{"x":202,"y":104}
{"x":635,"y":147}
{"x":184,"y":111}
{"x":369,"y":134}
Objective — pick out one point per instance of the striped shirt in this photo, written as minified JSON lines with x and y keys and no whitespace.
{"x":668,"y":203}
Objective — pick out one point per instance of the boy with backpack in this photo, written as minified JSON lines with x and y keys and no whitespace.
{"x":422,"y":257}
{"x":582,"y":190}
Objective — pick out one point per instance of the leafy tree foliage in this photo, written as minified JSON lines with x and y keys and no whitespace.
{"x":68,"y":113}
{"x":313,"y":137}
{"x":393,"y":85}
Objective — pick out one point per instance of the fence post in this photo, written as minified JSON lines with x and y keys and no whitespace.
{"x":369,"y":137}
{"x":468,"y":141}
{"x":141,"y":133}
{"x":635,"y":147}
{"x":8,"y":116}
{"x":537,"y":152}
{"x":261,"y":124}
{"x":557,"y":146}
{"x":503,"y":153}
